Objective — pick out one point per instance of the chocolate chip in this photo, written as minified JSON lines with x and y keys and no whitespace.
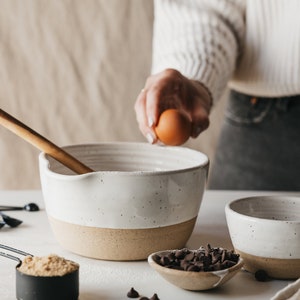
{"x":144,"y":298}
{"x":215,"y":258}
{"x":190,"y":256}
{"x":179,"y":254}
{"x":183,"y":264}
{"x":200,"y":265}
{"x":171,"y":256}
{"x":217,"y":266}
{"x":261,"y":275}
{"x":133,"y":293}
{"x":164,"y":260}
{"x":154,"y":297}
{"x":193,"y":268}
{"x":223,"y":256}
{"x":227,"y":264}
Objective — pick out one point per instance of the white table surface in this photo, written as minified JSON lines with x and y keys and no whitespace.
{"x":104,"y":280}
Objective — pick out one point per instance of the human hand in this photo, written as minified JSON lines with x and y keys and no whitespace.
{"x":170,"y":89}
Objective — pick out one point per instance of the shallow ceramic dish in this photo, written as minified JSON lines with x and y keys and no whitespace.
{"x":194,"y":281}
{"x":265,"y":231}
{"x":141,"y":198}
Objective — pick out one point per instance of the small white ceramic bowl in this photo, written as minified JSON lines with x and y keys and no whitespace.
{"x":194,"y":281}
{"x":265,"y":231}
{"x":141,"y":198}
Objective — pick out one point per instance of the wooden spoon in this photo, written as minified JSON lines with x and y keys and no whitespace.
{"x":42,"y":143}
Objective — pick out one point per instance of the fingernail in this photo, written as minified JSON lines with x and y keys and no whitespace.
{"x":150,"y":138}
{"x":150,"y":122}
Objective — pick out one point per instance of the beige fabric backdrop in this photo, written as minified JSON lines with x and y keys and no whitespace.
{"x":71,"y":70}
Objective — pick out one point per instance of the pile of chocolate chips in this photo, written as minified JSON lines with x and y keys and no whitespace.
{"x":204,"y":259}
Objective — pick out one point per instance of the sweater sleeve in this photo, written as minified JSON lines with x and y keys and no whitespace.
{"x":200,"y":38}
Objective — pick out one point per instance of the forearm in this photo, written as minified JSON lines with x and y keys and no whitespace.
{"x":201,"y":39}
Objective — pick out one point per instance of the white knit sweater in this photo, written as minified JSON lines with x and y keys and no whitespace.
{"x":254,"y":45}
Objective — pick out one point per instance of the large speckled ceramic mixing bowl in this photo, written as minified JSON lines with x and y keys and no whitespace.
{"x":265,"y":231}
{"x":141,"y":198}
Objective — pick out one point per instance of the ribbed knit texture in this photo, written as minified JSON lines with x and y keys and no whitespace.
{"x":253,"y":44}
{"x":270,"y":64}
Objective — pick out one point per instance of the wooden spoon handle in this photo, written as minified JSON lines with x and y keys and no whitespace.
{"x":42,"y":143}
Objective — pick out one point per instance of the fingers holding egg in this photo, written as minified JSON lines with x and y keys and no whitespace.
{"x":142,"y":117}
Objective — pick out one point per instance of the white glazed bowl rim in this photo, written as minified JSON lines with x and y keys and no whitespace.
{"x":126,"y":199}
{"x":230,"y":209}
{"x":197,"y":159}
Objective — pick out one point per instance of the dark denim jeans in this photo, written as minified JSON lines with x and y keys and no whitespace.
{"x":259,"y":145}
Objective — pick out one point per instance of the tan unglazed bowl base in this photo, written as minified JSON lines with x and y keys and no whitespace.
{"x":275,"y":268}
{"x":120,"y":244}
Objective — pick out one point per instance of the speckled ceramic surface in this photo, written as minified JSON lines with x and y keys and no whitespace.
{"x":135,"y":186}
{"x":266,"y":232}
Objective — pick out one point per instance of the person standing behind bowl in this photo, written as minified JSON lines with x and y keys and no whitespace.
{"x":200,"y":47}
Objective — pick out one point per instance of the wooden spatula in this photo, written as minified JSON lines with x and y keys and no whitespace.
{"x":42,"y":143}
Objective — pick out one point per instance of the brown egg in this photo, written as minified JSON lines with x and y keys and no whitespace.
{"x":174,"y":127}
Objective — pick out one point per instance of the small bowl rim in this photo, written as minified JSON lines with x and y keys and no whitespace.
{"x":230,"y":210}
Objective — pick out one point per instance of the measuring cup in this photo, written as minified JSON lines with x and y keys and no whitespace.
{"x":29,"y":287}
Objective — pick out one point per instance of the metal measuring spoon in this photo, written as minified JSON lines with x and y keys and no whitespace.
{"x":12,"y":222}
{"x":28,"y":207}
